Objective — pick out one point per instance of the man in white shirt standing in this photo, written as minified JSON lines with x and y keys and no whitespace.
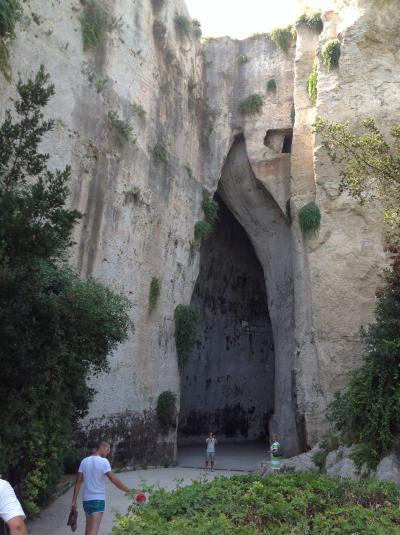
{"x":92,"y":472}
{"x":10,"y":510}
{"x":211,"y":442}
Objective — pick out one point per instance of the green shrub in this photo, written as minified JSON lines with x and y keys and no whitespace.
{"x":271,"y":86}
{"x":56,"y":331}
{"x":210,"y":209}
{"x":192,"y":84}
{"x":154,"y":293}
{"x":330,"y":442}
{"x":159,"y":30}
{"x":10,"y":13}
{"x":312,"y":84}
{"x":367,"y":413}
{"x":313,"y":21}
{"x":93,"y":24}
{"x":292,"y":504}
{"x":138,"y":110}
{"x":133,"y":194}
{"x":182,"y":25}
{"x":331,"y":54}
{"x":159,"y":154}
{"x":166,"y":410}
{"x":283,"y":37}
{"x":310,"y":218}
{"x":121,"y":127}
{"x":187,"y":318}
{"x":197,"y":28}
{"x":252,"y":104}
{"x":202,"y":229}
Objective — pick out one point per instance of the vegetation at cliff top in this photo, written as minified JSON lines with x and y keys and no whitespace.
{"x":94,"y":24}
{"x":10,"y":13}
{"x":369,"y":166}
{"x":55,"y":330}
{"x":310,"y":219}
{"x":312,"y":84}
{"x":251,"y":105}
{"x":182,"y":25}
{"x":331,"y":54}
{"x":187,"y":319}
{"x":283,"y":37}
{"x":166,"y":410}
{"x":154,"y":293}
{"x":311,"y":19}
{"x":293,"y":504}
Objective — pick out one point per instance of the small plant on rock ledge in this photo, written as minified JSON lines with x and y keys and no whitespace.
{"x":331,"y":54}
{"x":154,"y":293}
{"x":94,"y":24}
{"x":159,"y":154}
{"x":187,"y":319}
{"x":166,"y":410}
{"x":133,"y":194}
{"x":192,"y":84}
{"x":121,"y":127}
{"x":201,"y":230}
{"x":182,"y":25}
{"x":251,"y":105}
{"x":310,"y":219}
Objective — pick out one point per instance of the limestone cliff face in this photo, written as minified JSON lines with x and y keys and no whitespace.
{"x":140,"y":210}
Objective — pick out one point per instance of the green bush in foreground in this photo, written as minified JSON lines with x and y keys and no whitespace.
{"x":295,"y":504}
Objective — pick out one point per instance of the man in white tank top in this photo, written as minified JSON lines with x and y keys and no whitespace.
{"x":93,"y":471}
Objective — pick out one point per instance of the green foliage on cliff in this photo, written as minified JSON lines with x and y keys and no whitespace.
{"x":311,"y":19}
{"x":154,"y":293}
{"x":309,"y":219}
{"x":331,"y":54}
{"x":159,"y":154}
{"x":55,"y":330}
{"x":187,"y":319}
{"x":10,"y":13}
{"x":121,"y":127}
{"x":203,"y":228}
{"x":166,"y":410}
{"x":93,"y":24}
{"x":251,"y":105}
{"x":312,"y":84}
{"x":295,"y":504}
{"x":370,"y":166}
{"x":367,"y":413}
{"x":283,"y":37}
{"x":182,"y":25}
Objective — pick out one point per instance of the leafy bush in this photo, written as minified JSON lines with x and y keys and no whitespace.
{"x":202,"y":229}
{"x":312,"y":84}
{"x":159,"y":30}
{"x":182,"y":25}
{"x":187,"y":318}
{"x":271,"y":86}
{"x":154,"y":293}
{"x":166,"y":410}
{"x":330,"y":442}
{"x":252,"y":104}
{"x":294,"y":504}
{"x":139,"y":110}
{"x":367,"y":413}
{"x":331,"y":54}
{"x":197,"y":28}
{"x":283,"y":37}
{"x":159,"y":154}
{"x":55,"y":330}
{"x":121,"y":127}
{"x":93,"y":24}
{"x":310,"y":218}
{"x":10,"y":13}
{"x":312,"y":20}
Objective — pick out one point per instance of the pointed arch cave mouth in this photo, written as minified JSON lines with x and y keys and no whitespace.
{"x":228,"y":384}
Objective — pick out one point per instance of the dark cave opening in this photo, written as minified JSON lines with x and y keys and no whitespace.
{"x":228,"y":384}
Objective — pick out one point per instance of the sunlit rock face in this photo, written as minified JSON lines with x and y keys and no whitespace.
{"x":140,"y":209}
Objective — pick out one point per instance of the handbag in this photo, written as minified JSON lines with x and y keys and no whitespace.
{"x":73,"y":519}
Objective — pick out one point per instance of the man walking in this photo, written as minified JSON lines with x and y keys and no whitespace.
{"x":10,"y":510}
{"x":211,"y":442}
{"x":92,"y":472}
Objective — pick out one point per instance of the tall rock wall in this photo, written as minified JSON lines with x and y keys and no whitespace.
{"x":139,"y":209}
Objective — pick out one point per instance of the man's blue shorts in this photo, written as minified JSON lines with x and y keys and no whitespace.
{"x":94,"y":506}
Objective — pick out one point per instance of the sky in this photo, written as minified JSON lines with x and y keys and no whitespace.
{"x":241,"y":18}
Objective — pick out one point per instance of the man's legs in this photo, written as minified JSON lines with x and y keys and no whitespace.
{"x":212,"y":461}
{"x":17,"y":526}
{"x":93,"y":522}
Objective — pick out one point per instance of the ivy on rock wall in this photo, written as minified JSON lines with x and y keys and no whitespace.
{"x":187,"y":319}
{"x":55,"y":330}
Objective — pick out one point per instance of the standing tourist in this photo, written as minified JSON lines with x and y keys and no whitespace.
{"x":10,"y":510}
{"x":211,"y":442}
{"x":276,"y":455}
{"x":92,"y":472}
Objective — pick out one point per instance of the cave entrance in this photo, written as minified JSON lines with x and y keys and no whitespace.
{"x":228,"y":384}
